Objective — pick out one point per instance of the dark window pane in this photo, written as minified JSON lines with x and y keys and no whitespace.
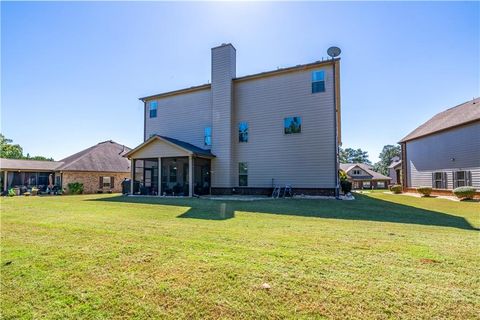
{"x":292,"y":125}
{"x":318,"y":86}
{"x":242,"y":168}
{"x":243,"y":180}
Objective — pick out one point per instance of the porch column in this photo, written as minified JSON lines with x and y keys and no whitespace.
{"x":159,"y":176}
{"x":5,"y":175}
{"x":190,"y":176}
{"x":132,"y":168}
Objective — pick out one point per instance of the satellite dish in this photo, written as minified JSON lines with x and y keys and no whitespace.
{"x":334,"y":52}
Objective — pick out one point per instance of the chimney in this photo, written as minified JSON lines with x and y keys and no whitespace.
{"x":223,"y":71}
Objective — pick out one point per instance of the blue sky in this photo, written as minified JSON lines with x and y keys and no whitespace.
{"x":71,"y":72}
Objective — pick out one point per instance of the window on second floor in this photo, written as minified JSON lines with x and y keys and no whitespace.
{"x":318,"y":81}
{"x":207,"y":136}
{"x":292,"y":125}
{"x":243,"y":132}
{"x":153,"y":105}
{"x":356,"y":172}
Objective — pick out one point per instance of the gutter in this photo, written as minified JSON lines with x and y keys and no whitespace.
{"x":337,"y":165}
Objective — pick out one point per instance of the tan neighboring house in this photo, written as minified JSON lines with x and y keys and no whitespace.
{"x":243,"y":135}
{"x":363,"y":177}
{"x":101,"y":168}
{"x":444,"y":152}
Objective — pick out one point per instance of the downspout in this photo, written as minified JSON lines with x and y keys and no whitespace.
{"x":337,"y":191}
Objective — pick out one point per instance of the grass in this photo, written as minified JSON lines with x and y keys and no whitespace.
{"x":106,"y":256}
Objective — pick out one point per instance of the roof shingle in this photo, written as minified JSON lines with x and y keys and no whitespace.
{"x":464,"y":113}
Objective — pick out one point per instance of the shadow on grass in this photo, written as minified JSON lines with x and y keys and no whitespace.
{"x":364,"y":208}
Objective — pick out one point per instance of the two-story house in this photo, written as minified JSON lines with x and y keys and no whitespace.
{"x":444,"y":152}
{"x":243,"y":134}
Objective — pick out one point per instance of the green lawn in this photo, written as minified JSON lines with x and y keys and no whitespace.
{"x":106,"y":256}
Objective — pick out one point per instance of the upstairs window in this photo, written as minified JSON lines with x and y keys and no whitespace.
{"x":153,"y":109}
{"x":243,"y":132}
{"x":356,"y":172}
{"x":318,"y":81}
{"x":292,"y":125}
{"x":243,"y":174}
{"x":207,"y":136}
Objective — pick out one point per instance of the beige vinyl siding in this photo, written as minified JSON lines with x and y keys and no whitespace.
{"x":434,"y":153}
{"x":306,"y":159}
{"x":223,"y":71}
{"x":158,"y":149}
{"x":183,"y":117}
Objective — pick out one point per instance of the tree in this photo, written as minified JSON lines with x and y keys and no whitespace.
{"x":38,"y":158}
{"x":9,"y":150}
{"x":350,"y":155}
{"x":388,"y":152}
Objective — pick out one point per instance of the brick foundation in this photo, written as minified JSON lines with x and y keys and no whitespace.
{"x":439,"y":192}
{"x":268,"y":191}
{"x":91,"y":180}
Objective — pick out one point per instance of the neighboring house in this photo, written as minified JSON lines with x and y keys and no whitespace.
{"x":363,"y":177}
{"x":101,"y":168}
{"x":444,"y":152}
{"x":243,"y":134}
{"x":395,"y":171}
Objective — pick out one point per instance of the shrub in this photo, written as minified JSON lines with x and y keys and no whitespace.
{"x":346,"y":186}
{"x":75,"y":188}
{"x":11,"y":192}
{"x":425,"y":191}
{"x":464,"y":193}
{"x":396,"y":188}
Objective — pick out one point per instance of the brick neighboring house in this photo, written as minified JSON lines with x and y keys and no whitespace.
{"x":363,"y":177}
{"x":101,"y":168}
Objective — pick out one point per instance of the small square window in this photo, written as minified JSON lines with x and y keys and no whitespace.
{"x":153,"y":109}
{"x":292,"y":125}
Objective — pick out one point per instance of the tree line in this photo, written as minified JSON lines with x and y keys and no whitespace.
{"x":9,"y":150}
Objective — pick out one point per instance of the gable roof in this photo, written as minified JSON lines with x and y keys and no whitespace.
{"x":462,"y":114}
{"x":347,"y":167}
{"x":105,"y":156}
{"x":300,"y":67}
{"x":29,"y":165}
{"x":185,"y":146}
{"x":395,"y":164}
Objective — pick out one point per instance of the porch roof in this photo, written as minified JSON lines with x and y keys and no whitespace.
{"x":186,"y":147}
{"x":29,"y":165}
